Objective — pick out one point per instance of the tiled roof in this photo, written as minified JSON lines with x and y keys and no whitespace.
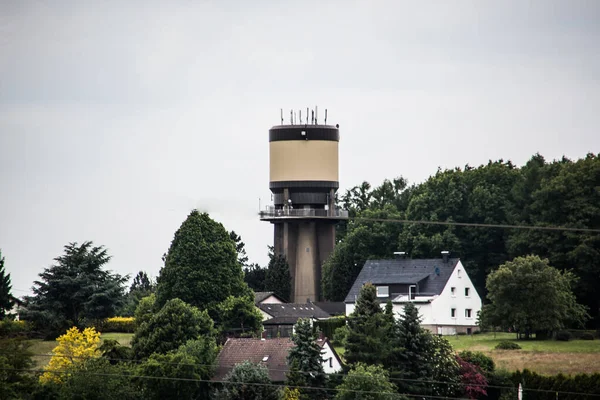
{"x":289,"y":313}
{"x":331,"y":307}
{"x":431,"y":274}
{"x":274,"y":352}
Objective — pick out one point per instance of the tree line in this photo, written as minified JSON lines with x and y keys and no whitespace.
{"x":540,"y":193}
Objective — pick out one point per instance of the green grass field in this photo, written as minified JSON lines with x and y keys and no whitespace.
{"x":43,"y":348}
{"x":487,"y":342}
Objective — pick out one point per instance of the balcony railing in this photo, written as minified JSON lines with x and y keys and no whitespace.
{"x":272,"y":212}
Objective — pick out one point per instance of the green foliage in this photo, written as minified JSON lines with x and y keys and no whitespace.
{"x":305,"y":361}
{"x":369,"y":330}
{"x":172,"y":326}
{"x":117,"y":324}
{"x":145,"y":310}
{"x":529,"y":295}
{"x":364,"y":240}
{"x":586,"y":336}
{"x":239,"y":316}
{"x":201,"y":267}
{"x":112,"y":351}
{"x":15,"y":358}
{"x":540,"y":387}
{"x":277,"y":278}
{"x":255,"y":277}
{"x":141,"y":287}
{"x":7,"y":301}
{"x":240,"y":248}
{"x":479,"y":359}
{"x":340,"y":335}
{"x":97,"y":379}
{"x":367,"y":382}
{"x":75,"y":291}
{"x":329,"y":326}
{"x":507,"y":345}
{"x":422,"y":357}
{"x":10,"y":328}
{"x":240,"y":382}
{"x":177,"y":374}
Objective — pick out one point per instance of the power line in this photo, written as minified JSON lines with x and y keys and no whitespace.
{"x":225,"y":382}
{"x":428,"y":381}
{"x":478,"y":225}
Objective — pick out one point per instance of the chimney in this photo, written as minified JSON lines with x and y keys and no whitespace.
{"x":400,"y":255}
{"x":445,"y":256}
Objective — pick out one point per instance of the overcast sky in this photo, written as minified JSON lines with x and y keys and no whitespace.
{"x":119,"y":117}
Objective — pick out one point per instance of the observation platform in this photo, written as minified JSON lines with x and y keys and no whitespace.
{"x":272,"y":213}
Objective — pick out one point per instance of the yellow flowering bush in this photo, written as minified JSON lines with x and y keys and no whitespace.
{"x":118,"y":324}
{"x":291,"y":394}
{"x":74,"y":347}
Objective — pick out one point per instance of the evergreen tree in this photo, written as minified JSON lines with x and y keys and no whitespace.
{"x":255,"y":276}
{"x":201,"y":267}
{"x":240,"y":248}
{"x":75,"y":290}
{"x":369,"y":330}
{"x":306,"y":362}
{"x":278,"y":279}
{"x":7,"y":301}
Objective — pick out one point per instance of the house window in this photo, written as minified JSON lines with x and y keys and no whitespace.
{"x":466,"y":292}
{"x":468,"y":313}
{"x":453,"y":291}
{"x":330,"y":362}
{"x":453,"y":312}
{"x":383,"y":291}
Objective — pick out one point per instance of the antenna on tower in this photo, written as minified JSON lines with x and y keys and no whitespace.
{"x":291,"y":117}
{"x":300,"y":115}
{"x":312,"y":117}
{"x":325,"y":116}
{"x":306,"y":115}
{"x":316,"y":115}
{"x":281,"y":109}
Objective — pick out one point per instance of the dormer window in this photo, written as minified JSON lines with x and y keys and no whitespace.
{"x":383,"y":291}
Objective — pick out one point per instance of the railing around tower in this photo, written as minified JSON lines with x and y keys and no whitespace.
{"x":287,"y":212}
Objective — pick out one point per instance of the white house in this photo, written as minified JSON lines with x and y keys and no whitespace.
{"x":440,"y":288}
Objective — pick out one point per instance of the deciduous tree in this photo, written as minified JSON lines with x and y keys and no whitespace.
{"x":528,"y":295}
{"x":239,"y":316}
{"x":278,"y":277}
{"x":367,"y":382}
{"x":171,"y":327}
{"x":247,"y":381}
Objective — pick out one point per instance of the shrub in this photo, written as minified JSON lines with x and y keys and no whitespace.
{"x":13,"y":328}
{"x":586,"y":336}
{"x":479,"y":359}
{"x":507,"y":345}
{"x":461,"y":333}
{"x":339,"y":336}
{"x":564,"y":336}
{"x":117,"y":324}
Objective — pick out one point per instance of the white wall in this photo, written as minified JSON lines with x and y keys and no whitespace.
{"x":265,"y":316}
{"x":327,"y":355}
{"x":271,"y":300}
{"x":438,"y":312}
{"x":441,"y":314}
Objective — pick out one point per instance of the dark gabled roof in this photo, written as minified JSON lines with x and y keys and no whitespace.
{"x":289,"y":313}
{"x":431,"y":275}
{"x":260,"y":296}
{"x":332,"y":307}
{"x":236,"y":351}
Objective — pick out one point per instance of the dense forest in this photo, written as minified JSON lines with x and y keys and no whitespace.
{"x":561,"y":193}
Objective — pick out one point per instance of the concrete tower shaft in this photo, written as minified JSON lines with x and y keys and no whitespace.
{"x":304,"y":178}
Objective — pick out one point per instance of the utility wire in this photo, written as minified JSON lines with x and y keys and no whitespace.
{"x":478,"y":225}
{"x":428,"y":381}
{"x":227,"y":382}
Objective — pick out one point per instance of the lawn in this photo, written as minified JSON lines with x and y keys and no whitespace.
{"x":43,"y":348}
{"x":546,"y":357}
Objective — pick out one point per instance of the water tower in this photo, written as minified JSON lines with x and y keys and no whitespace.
{"x":304,"y":178}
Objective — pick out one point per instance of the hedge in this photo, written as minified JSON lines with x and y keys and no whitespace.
{"x":14,"y":328}
{"x":549,"y":385}
{"x":117,"y":324}
{"x":328,"y":326}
